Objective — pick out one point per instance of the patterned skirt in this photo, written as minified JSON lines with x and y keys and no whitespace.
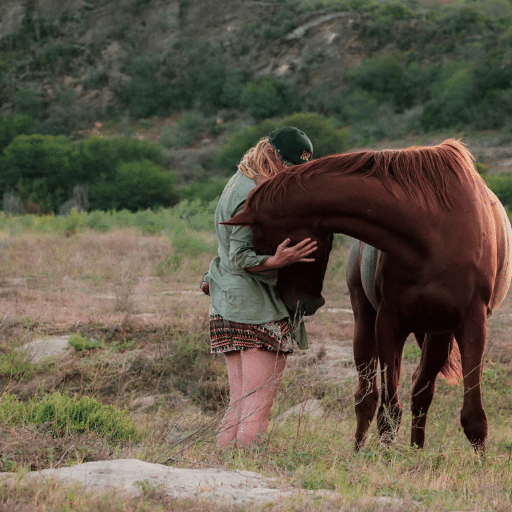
{"x":226,"y":335}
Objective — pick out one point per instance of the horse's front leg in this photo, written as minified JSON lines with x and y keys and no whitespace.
{"x":365,"y":348}
{"x":390,"y":343}
{"x":435,"y":351}
{"x":471,"y":337}
{"x":366,"y":361}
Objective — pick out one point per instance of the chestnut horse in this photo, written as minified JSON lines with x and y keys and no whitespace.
{"x":432,"y":257}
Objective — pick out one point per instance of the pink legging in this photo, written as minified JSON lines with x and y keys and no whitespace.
{"x":254,"y":376}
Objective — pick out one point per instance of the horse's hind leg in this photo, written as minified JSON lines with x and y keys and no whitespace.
{"x":435,"y":351}
{"x":471,"y":336}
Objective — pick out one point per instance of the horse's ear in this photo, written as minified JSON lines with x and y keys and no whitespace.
{"x":245,"y":218}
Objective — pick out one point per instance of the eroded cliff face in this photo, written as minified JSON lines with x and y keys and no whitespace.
{"x":263,"y":39}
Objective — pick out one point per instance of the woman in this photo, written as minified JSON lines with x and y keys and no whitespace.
{"x":248,"y":321}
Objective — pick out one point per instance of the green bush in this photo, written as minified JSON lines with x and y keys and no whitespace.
{"x":184,"y":132}
{"x":203,"y":189}
{"x":382,"y":76}
{"x":81,"y":344}
{"x":148,"y":93}
{"x":501,"y":185}
{"x":265,"y":98}
{"x":14,"y":365}
{"x":12,"y":126}
{"x":452,"y":98}
{"x":137,"y":185}
{"x":232,"y":88}
{"x":62,"y":414}
{"x":39,"y":169}
{"x":29,"y":102}
{"x":120,"y":172}
{"x":325,"y":138}
{"x":237,"y":144}
{"x":358,"y":106}
{"x":197,"y":71}
{"x":99,"y":157}
{"x":57,"y":58}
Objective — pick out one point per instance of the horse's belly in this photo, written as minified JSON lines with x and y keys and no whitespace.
{"x":431,"y":308}
{"x":362,"y":259}
{"x":369,"y":258}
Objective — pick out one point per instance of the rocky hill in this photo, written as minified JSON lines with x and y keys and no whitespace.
{"x":99,"y":38}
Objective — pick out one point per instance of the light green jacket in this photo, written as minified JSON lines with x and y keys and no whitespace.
{"x":238,"y":295}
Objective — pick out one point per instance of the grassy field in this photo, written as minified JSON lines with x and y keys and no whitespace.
{"x":130,"y":302}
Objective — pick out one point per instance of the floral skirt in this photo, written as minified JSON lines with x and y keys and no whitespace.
{"x":226,"y":336}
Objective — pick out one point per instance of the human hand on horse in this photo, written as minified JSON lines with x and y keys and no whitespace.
{"x":286,"y":255}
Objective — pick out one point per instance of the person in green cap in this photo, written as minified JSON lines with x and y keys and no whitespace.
{"x":249,"y":322}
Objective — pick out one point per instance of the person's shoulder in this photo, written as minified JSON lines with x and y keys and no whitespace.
{"x":238,"y":187}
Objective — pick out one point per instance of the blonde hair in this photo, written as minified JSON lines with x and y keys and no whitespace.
{"x":261,"y":159}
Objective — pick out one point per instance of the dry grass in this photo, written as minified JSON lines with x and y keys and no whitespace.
{"x":114,"y":287}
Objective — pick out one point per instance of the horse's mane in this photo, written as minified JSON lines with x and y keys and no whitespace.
{"x":421,"y":171}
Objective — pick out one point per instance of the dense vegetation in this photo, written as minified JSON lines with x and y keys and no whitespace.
{"x":443,"y":68}
{"x":121,"y":172}
{"x":448,"y":66}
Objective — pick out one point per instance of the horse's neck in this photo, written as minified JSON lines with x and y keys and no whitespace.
{"x":365,"y":209}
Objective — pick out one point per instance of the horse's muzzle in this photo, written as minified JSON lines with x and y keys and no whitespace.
{"x":306,"y":307}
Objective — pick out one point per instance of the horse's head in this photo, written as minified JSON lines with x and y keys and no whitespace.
{"x":299,"y":285}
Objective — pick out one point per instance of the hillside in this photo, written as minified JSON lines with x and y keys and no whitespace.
{"x":391,"y":73}
{"x":87,"y":47}
{"x":101,"y":57}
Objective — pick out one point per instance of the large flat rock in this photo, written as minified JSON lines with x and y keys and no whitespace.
{"x":131,"y":476}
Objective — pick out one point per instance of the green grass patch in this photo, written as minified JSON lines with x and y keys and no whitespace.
{"x":82,"y":344}
{"x":60,"y":414}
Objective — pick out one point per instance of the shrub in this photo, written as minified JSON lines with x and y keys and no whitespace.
{"x":197,"y":69}
{"x":81,"y":344}
{"x":58,"y":57}
{"x":137,"y":185}
{"x":501,"y":185}
{"x":325,"y":138}
{"x":452,"y":98}
{"x":263,"y":99}
{"x":233,"y":87}
{"x":147,"y":93}
{"x":358,"y":106}
{"x":14,"y":365}
{"x":99,"y":157}
{"x":39,"y":168}
{"x":185,"y":132}
{"x":121,"y":172}
{"x":383,"y":75}
{"x":237,"y":144}
{"x":203,"y":189}
{"x":12,"y":126}
{"x":29,"y":102}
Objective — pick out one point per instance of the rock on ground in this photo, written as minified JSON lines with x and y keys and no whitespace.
{"x":132,"y":476}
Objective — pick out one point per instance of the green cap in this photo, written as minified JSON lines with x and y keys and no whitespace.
{"x":292,"y":144}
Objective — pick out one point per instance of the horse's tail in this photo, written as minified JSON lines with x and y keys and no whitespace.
{"x":452,"y":369}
